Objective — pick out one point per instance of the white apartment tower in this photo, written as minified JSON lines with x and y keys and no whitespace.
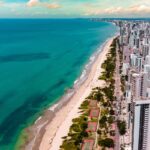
{"x":141,"y":125}
{"x":138,"y":82}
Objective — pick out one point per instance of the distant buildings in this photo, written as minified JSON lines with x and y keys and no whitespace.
{"x":134,"y":42}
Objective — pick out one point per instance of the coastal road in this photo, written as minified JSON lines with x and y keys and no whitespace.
{"x":118,"y":97}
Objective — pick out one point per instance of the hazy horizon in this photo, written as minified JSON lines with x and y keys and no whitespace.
{"x":74,"y":9}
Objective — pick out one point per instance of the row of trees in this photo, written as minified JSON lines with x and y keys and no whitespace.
{"x":77,"y":130}
{"x":107,"y":114}
{"x":105,"y":96}
{"x":122,"y":124}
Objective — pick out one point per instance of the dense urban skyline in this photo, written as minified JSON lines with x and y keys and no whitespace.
{"x":74,"y":8}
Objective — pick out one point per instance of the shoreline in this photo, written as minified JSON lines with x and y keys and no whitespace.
{"x":40,"y":134}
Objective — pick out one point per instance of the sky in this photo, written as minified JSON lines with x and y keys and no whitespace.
{"x":74,"y":8}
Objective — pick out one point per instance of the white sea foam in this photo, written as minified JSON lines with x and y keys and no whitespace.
{"x":37,"y":120}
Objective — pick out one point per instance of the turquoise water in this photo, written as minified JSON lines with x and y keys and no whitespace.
{"x":39,"y":60}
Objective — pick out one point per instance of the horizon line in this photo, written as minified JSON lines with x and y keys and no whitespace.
{"x":79,"y":18}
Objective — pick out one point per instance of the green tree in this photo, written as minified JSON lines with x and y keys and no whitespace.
{"x":98,"y":95}
{"x":110,"y":119}
{"x":108,"y":142}
{"x":121,"y":126}
{"x":112,"y":112}
{"x":69,"y":145}
{"x":103,"y":120}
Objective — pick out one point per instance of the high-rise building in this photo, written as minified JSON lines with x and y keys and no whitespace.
{"x":135,"y":45}
{"x":138,"y":82}
{"x":141,"y":125}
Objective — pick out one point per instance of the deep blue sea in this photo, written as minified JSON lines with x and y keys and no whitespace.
{"x":39,"y":60}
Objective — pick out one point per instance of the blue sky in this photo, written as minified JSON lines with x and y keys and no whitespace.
{"x":74,"y":8}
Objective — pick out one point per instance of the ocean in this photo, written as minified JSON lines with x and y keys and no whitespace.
{"x":39,"y":60}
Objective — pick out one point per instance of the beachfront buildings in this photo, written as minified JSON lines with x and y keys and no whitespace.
{"x":141,"y":130}
{"x":134,"y":41}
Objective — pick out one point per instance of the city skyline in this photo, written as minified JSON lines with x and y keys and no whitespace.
{"x":72,"y":9}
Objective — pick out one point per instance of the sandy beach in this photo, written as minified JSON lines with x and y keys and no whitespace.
{"x":49,"y":130}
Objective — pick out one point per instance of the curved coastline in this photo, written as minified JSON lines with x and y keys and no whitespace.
{"x":37,"y":130}
{"x":39,"y":84}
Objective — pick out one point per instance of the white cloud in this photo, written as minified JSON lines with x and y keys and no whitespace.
{"x":32,"y":3}
{"x":52,"y":5}
{"x":105,"y":8}
{"x":48,"y":5}
{"x":139,"y":9}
